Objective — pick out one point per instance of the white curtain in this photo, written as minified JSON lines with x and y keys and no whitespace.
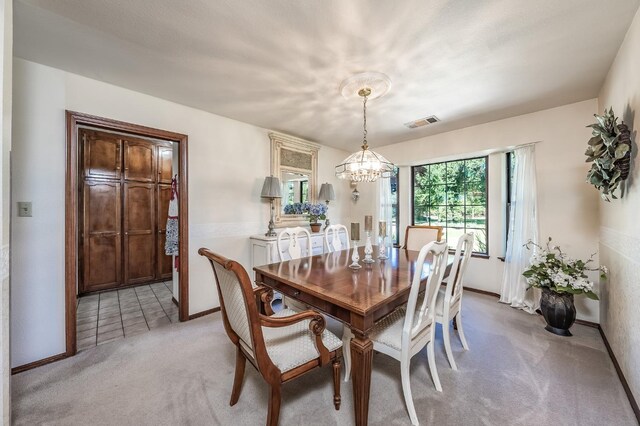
{"x":523,"y":226}
{"x":385,"y":206}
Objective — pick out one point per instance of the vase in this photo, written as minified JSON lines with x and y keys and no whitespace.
{"x":315,"y":227}
{"x":558,"y":311}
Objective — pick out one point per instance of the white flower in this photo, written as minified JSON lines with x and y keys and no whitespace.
{"x":604,"y":269}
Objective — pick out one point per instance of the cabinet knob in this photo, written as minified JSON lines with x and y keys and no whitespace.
{"x":296,"y":293}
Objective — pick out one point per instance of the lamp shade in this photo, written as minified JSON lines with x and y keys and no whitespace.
{"x":271,"y":188}
{"x":326,"y":192}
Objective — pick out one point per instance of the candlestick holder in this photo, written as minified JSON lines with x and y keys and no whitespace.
{"x":355,"y":257}
{"x":382,"y":248}
{"x":368,"y":250}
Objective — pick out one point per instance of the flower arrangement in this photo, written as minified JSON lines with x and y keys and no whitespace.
{"x":551,"y":268}
{"x":316,"y":211}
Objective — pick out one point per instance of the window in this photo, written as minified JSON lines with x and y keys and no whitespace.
{"x":510,"y":174}
{"x":395,"y":209}
{"x":453,"y":195}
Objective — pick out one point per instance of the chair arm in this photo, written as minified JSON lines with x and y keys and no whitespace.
{"x":317,"y":326}
{"x":265,"y":294}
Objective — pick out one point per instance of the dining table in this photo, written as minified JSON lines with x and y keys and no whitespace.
{"x":356,"y":297}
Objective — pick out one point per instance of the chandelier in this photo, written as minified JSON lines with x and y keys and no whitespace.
{"x":364,"y":165}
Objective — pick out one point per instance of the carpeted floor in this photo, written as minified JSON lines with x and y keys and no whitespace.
{"x":515,"y":374}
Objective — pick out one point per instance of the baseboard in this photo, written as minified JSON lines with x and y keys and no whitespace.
{"x":588,"y":323}
{"x":38,"y":363}
{"x":485,"y":292}
{"x":625,"y":385}
{"x":203,"y":313}
{"x":175,"y":302}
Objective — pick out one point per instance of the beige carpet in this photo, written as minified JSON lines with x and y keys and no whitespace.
{"x":515,"y":374}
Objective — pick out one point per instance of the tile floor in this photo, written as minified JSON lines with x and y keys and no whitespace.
{"x":116,"y":314}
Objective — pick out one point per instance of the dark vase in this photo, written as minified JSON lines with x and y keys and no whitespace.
{"x":315,"y":227}
{"x":558,"y":311}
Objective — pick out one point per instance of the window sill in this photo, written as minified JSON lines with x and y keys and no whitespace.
{"x":478,"y":255}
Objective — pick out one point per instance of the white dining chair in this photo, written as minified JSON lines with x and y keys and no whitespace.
{"x":333,"y":240}
{"x":290,"y":247}
{"x":407,"y":330}
{"x":417,"y":236}
{"x":449,"y":298}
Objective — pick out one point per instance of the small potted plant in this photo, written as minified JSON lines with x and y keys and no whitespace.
{"x":609,"y":150}
{"x":316,"y":212}
{"x":560,"y":278}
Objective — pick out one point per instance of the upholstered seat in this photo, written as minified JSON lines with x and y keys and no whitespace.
{"x":294,"y":345}
{"x":280,"y":346}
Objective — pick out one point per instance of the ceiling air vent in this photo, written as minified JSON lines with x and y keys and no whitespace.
{"x":422,"y":122}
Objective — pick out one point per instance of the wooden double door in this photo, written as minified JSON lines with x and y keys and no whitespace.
{"x":124,"y":201}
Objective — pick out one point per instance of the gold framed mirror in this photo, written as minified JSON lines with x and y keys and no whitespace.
{"x":295,"y":162}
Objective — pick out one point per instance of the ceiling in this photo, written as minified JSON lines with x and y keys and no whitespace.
{"x":278,"y":64}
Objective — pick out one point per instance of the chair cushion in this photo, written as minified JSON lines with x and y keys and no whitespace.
{"x":291,"y":346}
{"x":388,"y":331}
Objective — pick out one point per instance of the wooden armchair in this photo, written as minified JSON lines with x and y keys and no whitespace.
{"x":282,"y":346}
{"x":417,"y":236}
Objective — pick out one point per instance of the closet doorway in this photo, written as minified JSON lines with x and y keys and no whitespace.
{"x":119,"y":183}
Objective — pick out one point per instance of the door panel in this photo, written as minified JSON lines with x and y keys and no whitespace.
{"x":101,"y":239}
{"x":165,"y":164}
{"x":139,"y":232}
{"x":139,"y":160}
{"x":101,"y":154}
{"x":165,"y":268}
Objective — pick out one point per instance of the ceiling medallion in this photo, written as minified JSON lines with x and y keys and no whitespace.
{"x":365,"y":165}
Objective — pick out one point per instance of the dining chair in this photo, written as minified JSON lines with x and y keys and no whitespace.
{"x":332,"y":238}
{"x":407,"y":330}
{"x":449,"y":298}
{"x":417,"y":236}
{"x":282,"y":346}
{"x":289,"y":245}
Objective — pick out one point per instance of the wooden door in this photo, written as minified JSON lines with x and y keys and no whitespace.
{"x":165,"y":164}
{"x":139,"y":160}
{"x":101,"y":236}
{"x":165,"y":267}
{"x":139,"y":233}
{"x":101,"y":154}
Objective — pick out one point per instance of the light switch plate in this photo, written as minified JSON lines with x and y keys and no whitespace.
{"x":24,"y":209}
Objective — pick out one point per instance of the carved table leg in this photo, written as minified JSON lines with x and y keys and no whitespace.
{"x":361,"y":361}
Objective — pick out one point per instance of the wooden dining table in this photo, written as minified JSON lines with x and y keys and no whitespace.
{"x":356,"y":297}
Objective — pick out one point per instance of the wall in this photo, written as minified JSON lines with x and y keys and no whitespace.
{"x":6,"y":53}
{"x":619,"y":225}
{"x":567,"y":206}
{"x":228,"y":161}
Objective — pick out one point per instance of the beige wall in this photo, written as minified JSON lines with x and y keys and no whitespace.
{"x":6,"y":53}
{"x":228,"y":161}
{"x":567,"y":206}
{"x":620,"y":224}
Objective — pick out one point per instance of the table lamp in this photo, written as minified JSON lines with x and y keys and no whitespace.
{"x":326,"y":194}
{"x":271,"y":189}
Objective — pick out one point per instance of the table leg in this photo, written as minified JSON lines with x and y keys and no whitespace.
{"x":361,"y":361}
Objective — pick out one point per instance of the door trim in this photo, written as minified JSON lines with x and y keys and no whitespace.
{"x":74,"y":120}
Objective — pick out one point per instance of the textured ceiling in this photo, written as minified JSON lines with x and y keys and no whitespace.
{"x":278,"y":64}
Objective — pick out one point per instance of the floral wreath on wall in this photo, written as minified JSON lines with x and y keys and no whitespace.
{"x":610,"y":151}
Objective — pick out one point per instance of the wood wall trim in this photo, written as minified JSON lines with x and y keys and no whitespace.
{"x":623,"y":380}
{"x":203,"y":313}
{"x":39,"y":363}
{"x":485,"y":292}
{"x":73,"y":121}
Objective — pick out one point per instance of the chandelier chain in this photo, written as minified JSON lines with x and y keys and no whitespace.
{"x":364,"y":123}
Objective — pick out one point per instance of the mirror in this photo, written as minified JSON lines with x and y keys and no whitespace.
{"x":295,"y":161}
{"x":295,"y":188}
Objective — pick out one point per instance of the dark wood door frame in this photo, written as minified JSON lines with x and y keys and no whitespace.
{"x":74,"y":120}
